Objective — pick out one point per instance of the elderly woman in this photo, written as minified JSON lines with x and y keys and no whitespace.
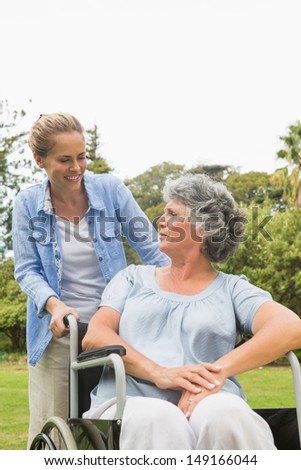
{"x":180,"y":325}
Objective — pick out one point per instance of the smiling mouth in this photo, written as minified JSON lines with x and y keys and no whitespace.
{"x":72,"y":178}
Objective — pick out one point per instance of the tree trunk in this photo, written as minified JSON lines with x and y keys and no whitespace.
{"x":298,"y":200}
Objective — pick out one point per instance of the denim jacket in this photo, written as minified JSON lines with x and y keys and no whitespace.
{"x":112,"y":212}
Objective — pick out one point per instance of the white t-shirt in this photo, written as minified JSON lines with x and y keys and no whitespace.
{"x":82,"y":281}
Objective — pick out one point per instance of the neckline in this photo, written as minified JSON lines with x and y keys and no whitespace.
{"x":215,"y":284}
{"x":63,"y":219}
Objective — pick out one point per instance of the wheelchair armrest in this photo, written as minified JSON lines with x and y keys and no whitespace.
{"x":101,"y":352}
{"x":104,"y":356}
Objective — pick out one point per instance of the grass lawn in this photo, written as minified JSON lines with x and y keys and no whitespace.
{"x":13,"y":405}
{"x":267,"y":387}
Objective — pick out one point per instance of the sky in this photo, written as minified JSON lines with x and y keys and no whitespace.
{"x":185,"y":81}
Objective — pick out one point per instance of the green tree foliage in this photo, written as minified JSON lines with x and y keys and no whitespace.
{"x":254,"y":186}
{"x":12,"y":307}
{"x":96,"y":162}
{"x":270,"y":255}
{"x":216,"y":172}
{"x":147,"y":187}
{"x":281,"y":181}
{"x":291,"y":152}
{"x":14,"y":169}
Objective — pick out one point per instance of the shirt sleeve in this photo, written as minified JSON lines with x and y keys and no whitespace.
{"x":138,"y":229}
{"x":247,"y":299}
{"x":28,"y":264}
{"x":118,"y":289}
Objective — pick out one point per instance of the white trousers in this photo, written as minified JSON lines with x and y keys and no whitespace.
{"x":48,"y":386}
{"x":220,"y":421}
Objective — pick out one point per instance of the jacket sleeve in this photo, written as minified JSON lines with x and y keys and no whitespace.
{"x":138,"y":229}
{"x":29,"y":269}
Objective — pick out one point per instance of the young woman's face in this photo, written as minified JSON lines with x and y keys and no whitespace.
{"x":65,"y":165}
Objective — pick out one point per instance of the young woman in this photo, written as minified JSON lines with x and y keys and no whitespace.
{"x":67,"y":247}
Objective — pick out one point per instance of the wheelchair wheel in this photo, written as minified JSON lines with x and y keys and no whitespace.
{"x":55,"y":435}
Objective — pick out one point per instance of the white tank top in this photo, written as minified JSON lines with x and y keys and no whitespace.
{"x":82,"y":281}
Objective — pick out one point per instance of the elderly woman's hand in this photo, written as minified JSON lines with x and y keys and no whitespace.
{"x":188,"y":401}
{"x":192,"y":378}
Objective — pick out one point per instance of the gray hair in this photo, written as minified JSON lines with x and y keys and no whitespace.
{"x":47,"y":127}
{"x":212,"y":212}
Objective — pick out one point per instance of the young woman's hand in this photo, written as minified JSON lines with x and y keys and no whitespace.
{"x":59,"y":311}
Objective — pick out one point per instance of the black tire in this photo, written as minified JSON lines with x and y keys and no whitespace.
{"x":55,"y":435}
{"x":42,"y":442}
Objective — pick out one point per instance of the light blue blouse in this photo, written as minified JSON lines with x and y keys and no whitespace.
{"x":175,"y":329}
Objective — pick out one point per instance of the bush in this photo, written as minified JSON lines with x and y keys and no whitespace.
{"x":12,"y":308}
{"x":270,"y":255}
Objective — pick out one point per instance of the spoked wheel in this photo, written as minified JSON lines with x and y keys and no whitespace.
{"x":55,"y":435}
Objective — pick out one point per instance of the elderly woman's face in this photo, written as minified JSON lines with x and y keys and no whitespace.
{"x":175,"y":228}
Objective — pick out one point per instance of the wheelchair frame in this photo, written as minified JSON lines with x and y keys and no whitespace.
{"x":78,"y":433}
{"x":82,"y":434}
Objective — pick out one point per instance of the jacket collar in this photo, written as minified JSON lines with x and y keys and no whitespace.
{"x":95,"y":196}
{"x":44,"y":200}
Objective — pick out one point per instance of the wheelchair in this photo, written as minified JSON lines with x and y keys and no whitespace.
{"x":77,"y":433}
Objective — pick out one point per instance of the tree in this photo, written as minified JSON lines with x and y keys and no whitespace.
{"x":96,"y":162}
{"x":270,"y":255}
{"x":291,"y":152}
{"x":282,"y":183}
{"x":14,"y":169}
{"x":216,"y":172}
{"x":147,"y":187}
{"x":254,"y":186}
{"x":12,"y":307}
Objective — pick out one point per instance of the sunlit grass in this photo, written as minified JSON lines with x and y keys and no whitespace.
{"x":269,"y":387}
{"x":13,"y":406}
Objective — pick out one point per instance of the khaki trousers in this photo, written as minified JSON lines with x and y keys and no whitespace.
{"x":48,"y":387}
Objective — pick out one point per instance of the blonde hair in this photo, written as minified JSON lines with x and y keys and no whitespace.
{"x":47,"y":127}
